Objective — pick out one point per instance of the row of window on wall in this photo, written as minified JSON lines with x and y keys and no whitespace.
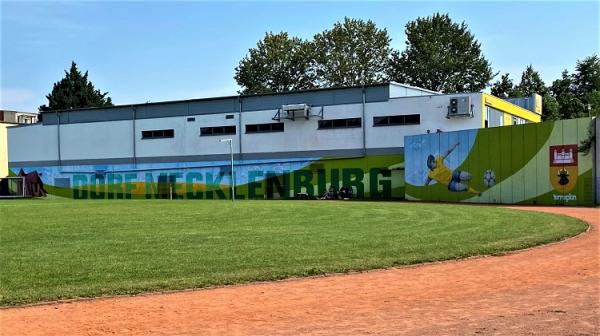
{"x":519,"y":121}
{"x":395,"y":120}
{"x":494,"y":118}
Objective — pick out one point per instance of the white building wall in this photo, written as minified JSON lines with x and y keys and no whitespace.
{"x":194,"y":144}
{"x":105,"y":140}
{"x":433,"y":110}
{"x":32,"y":143}
{"x":111,"y":139}
{"x":187,"y":140}
{"x":302,"y":134}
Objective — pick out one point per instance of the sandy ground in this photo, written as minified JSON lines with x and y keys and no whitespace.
{"x":550,"y":290}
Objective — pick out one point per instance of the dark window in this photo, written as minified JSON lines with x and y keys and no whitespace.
{"x":218,"y":130}
{"x":229,"y":116}
{"x":380,"y":121}
{"x":251,"y":128}
{"x":265,"y":128}
{"x":412,"y":119}
{"x":323,"y":124}
{"x":397,"y":120}
{"x":158,"y":134}
{"x":191,"y":119}
{"x":340,"y":123}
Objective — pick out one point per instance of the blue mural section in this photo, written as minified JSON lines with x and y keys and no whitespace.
{"x":190,"y":179}
{"x":420,"y":148}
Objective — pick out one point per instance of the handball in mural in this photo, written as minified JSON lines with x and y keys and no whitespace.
{"x":489,"y":178}
{"x":456,"y":179}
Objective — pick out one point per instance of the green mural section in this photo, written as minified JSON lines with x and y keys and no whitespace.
{"x":523,"y":164}
{"x":374,"y":177}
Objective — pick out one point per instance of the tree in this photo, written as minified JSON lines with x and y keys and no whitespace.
{"x":277,"y":64}
{"x":578,"y":94}
{"x":586,"y":145}
{"x":531,"y":83}
{"x":562,"y":90}
{"x":504,"y":87}
{"x":354,"y":52}
{"x":592,"y":103}
{"x":563,"y":86}
{"x":441,"y":55}
{"x":586,"y":84}
{"x":550,"y":108}
{"x":586,"y":78}
{"x":75,"y":91}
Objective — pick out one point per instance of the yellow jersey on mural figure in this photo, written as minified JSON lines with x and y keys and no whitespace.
{"x":439,"y":172}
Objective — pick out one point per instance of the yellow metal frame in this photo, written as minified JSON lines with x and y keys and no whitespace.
{"x":509,"y":110}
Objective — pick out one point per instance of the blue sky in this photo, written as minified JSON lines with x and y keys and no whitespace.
{"x":154,"y":51}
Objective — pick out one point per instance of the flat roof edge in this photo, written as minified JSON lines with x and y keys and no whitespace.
{"x":241,"y":96}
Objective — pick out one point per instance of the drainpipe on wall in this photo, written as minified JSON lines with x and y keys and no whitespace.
{"x":240,"y":128}
{"x":364,"y":122}
{"x":58,"y":136}
{"x":134,"y":110}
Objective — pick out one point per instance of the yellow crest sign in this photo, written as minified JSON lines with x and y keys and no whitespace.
{"x":563,"y":167}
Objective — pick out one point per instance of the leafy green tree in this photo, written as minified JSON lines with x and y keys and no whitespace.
{"x":504,"y":87}
{"x":586,"y":84}
{"x":75,"y":91}
{"x":277,"y":64}
{"x":563,"y":86}
{"x":531,"y":83}
{"x":592,"y":103}
{"x":563,"y":90}
{"x":586,"y":145}
{"x":550,"y":108}
{"x":587,"y":76}
{"x":441,"y":55}
{"x":353,"y":52}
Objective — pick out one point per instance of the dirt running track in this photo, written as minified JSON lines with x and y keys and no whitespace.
{"x":551,"y":290}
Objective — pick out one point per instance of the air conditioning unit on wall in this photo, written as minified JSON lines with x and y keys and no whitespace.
{"x":295,"y":111}
{"x":460,"y":107}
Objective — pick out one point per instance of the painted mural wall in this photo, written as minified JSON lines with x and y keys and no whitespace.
{"x":377,"y":176}
{"x":524,"y":164}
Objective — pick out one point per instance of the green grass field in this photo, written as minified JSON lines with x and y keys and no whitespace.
{"x":56,"y":249}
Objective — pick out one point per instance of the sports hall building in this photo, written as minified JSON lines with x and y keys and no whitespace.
{"x":284,"y":145}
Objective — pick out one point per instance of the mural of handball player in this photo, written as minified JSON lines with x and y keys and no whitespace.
{"x":439,"y":172}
